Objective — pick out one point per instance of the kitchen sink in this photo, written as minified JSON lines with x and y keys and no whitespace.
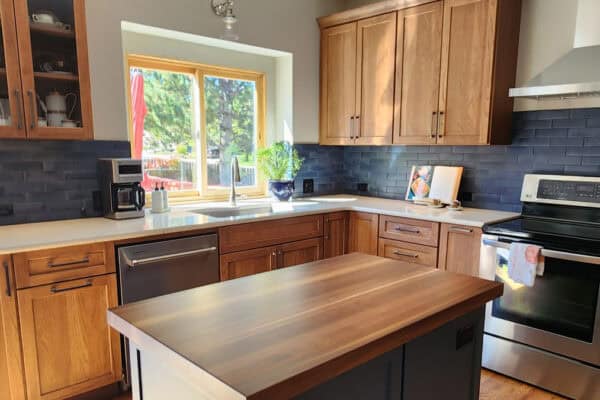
{"x":226,"y":212}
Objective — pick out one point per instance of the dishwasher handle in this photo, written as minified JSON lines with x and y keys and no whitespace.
{"x":149,"y":260}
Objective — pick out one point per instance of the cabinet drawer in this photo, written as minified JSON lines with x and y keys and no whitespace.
{"x":409,"y":230}
{"x":41,"y":267}
{"x":268,"y":233}
{"x":408,"y":252}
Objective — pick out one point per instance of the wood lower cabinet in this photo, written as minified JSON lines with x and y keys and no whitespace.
{"x":68,"y":347}
{"x":335,"y":240}
{"x":248,"y":262}
{"x":362,"y":237}
{"x":12,"y":384}
{"x":459,"y":249}
{"x":301,"y":252}
{"x":408,"y":253}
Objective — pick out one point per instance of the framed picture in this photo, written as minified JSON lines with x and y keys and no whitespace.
{"x":419,"y":184}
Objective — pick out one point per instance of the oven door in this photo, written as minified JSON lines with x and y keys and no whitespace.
{"x":560,"y":313}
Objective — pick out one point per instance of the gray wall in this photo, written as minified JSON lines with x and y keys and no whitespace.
{"x":287,"y":25}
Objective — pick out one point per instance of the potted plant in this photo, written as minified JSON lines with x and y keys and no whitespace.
{"x":280,"y":163}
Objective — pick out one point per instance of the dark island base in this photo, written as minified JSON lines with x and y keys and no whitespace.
{"x":443,"y":364}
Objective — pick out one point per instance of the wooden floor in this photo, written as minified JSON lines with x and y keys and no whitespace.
{"x":499,"y":387}
{"x":493,"y":387}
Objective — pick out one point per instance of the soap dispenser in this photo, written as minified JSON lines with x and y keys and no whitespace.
{"x":157,"y":200}
{"x":165,"y":197}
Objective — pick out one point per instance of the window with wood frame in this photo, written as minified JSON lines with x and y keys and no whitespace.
{"x":187,"y":122}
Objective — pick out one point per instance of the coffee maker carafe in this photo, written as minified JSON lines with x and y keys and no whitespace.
{"x":122,"y":195}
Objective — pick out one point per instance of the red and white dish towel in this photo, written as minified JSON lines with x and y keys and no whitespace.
{"x":525,"y":263}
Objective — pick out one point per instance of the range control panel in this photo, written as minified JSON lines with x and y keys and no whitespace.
{"x":580,"y":191}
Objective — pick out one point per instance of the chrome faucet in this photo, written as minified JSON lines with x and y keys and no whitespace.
{"x":235,"y":177}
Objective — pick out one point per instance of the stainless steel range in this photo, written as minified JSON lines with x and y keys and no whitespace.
{"x":549,"y":334}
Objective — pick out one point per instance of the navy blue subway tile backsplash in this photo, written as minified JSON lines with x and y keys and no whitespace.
{"x":553,"y":141}
{"x":43,"y":180}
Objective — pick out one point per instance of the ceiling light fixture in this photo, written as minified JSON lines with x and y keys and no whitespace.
{"x":224,"y":9}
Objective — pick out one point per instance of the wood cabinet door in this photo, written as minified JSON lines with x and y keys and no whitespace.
{"x":12,"y":120}
{"x":248,"y":262}
{"x":73,"y":78}
{"x":68,"y":347}
{"x":12,"y":385}
{"x":466,"y":71}
{"x":338,"y":84}
{"x":459,"y":249}
{"x":418,"y":53}
{"x":301,"y":252}
{"x":335,"y":241}
{"x":363,"y":229}
{"x":376,"y":64}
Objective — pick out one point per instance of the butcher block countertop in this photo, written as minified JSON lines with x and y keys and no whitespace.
{"x":277,"y":334}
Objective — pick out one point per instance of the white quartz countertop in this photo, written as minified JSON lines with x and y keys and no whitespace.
{"x":43,"y":235}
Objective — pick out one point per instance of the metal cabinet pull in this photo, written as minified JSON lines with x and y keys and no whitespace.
{"x":441,"y":125}
{"x":19,"y":109}
{"x":559,"y":255}
{"x":31,"y":108}
{"x":357,"y":122}
{"x":400,"y":253}
{"x":408,"y":230}
{"x":167,"y":257}
{"x":84,"y":260}
{"x":457,"y":229}
{"x":56,"y":289}
{"x":352,"y":127}
{"x":434,"y":123}
{"x":7,"y":274}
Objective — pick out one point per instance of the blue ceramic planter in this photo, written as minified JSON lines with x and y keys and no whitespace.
{"x":282,"y":190}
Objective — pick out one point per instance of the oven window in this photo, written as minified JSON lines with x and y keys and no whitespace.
{"x":563,"y":301}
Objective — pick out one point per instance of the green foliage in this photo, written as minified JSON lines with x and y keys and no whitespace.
{"x":169,"y":102}
{"x":280,"y":161}
{"x":230,"y":110}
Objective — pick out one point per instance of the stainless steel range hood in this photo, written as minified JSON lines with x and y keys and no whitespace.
{"x":578,"y":72}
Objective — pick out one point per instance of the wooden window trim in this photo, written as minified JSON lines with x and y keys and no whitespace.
{"x":200,"y":71}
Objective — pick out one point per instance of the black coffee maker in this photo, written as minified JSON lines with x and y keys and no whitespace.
{"x":122,"y":195}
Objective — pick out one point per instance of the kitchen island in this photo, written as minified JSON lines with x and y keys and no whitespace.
{"x":350,"y":327}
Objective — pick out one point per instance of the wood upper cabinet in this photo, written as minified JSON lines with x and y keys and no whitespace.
{"x":479,"y":53}
{"x":68,"y":347}
{"x":455,"y":61}
{"x":338,"y":84}
{"x":248,"y":262}
{"x":363,"y":231}
{"x":41,"y":59}
{"x":301,"y":252}
{"x":418,"y":55}
{"x":459,"y":249}
{"x":357,"y":82}
{"x":335,"y":240}
{"x":375,"y":80}
{"x":12,"y":384}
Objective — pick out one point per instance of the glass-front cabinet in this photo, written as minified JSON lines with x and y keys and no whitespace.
{"x":50,"y":85}
{"x":12,"y":123}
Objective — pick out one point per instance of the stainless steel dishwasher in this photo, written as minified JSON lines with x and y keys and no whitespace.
{"x":158,"y":268}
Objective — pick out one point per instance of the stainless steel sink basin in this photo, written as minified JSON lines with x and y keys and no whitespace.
{"x":233,"y":212}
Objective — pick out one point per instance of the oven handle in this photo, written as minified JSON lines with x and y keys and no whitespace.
{"x":559,"y":255}
{"x":134,"y":263}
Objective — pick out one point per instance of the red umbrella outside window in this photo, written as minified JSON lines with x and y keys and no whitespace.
{"x":139,"y":111}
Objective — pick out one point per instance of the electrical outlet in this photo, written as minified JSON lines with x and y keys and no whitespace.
{"x":308,"y":186}
{"x":362,"y":187}
{"x":6,"y":210}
